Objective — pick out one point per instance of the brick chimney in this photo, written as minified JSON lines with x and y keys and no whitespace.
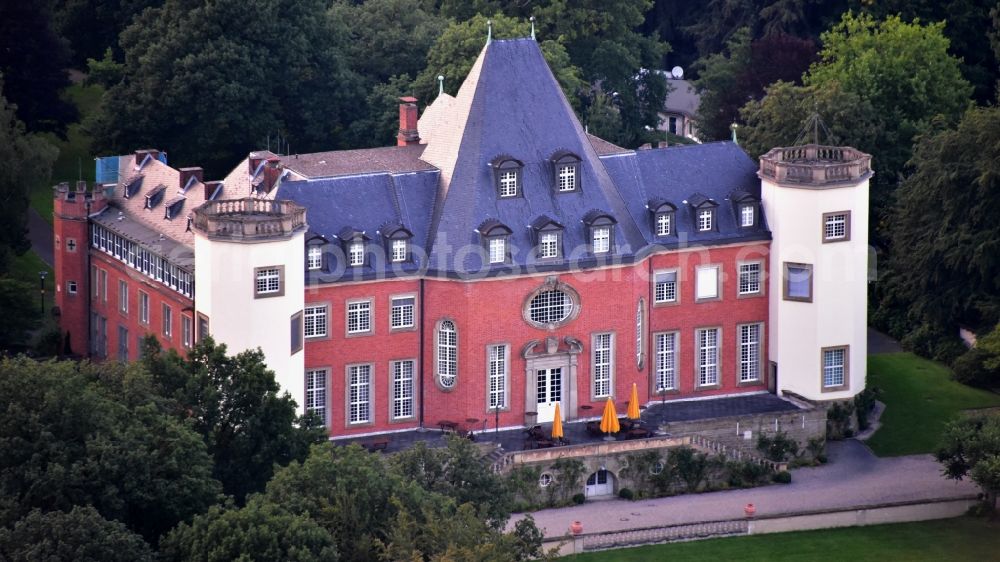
{"x":187,"y":173}
{"x":253,"y":161}
{"x":272,"y":171}
{"x":210,"y":188}
{"x":408,"y":134}
{"x":140,"y":155}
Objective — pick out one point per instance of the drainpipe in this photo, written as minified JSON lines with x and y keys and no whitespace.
{"x":420,"y":338}
{"x":89,"y":276}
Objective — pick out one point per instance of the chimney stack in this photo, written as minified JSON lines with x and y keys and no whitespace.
{"x":210,"y":188}
{"x":408,"y":134}
{"x":253,"y":161}
{"x":187,"y":173}
{"x":272,"y":171}
{"x":140,"y":155}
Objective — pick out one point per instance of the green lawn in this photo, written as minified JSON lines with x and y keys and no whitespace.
{"x":74,"y":152}
{"x":920,"y":399}
{"x":25,"y":268}
{"x":949,"y":540}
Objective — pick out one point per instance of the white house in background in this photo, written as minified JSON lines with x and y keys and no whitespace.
{"x":680,"y":110}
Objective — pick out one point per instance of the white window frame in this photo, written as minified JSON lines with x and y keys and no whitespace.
{"x":831,"y":370}
{"x":400,"y":250}
{"x":548,"y":245}
{"x":359,"y":317}
{"x":640,"y":333}
{"x":497,"y":373}
{"x":750,"y":346}
{"x":315,"y":320}
{"x":747,"y":218}
{"x":702,"y":282}
{"x":446,"y":349}
{"x":707,"y":363}
{"x":787,"y":281}
{"x":314,"y":257}
{"x":316,"y":396}
{"x":122,"y":297}
{"x":666,"y":345}
{"x":602,"y":361}
{"x":187,"y":331}
{"x":268,"y":281}
{"x":664,"y":224}
{"x":360,"y":382}
{"x":746,"y":285}
{"x":498,"y":249}
{"x":356,"y":253}
{"x":507,"y":180}
{"x":600,"y":239}
{"x":567,"y":178}
{"x":403,"y":373}
{"x":665,"y":291}
{"x":144,"y":308}
{"x":837,"y":226}
{"x":706,"y":218}
{"x":399,"y":317}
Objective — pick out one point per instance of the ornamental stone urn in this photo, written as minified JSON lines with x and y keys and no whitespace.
{"x":576,"y":527}
{"x":750,"y":510}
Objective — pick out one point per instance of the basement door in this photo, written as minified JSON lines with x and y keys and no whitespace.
{"x":600,"y":483}
{"x":548,"y":392}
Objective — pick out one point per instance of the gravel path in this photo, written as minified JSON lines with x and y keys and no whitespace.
{"x":41,"y":237}
{"x":854,"y":477}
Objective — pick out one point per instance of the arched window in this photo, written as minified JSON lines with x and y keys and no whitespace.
{"x":447,"y":354}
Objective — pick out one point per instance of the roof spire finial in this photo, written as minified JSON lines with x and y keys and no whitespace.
{"x":440,"y":84}
{"x":733,"y":128}
{"x":489,"y":31}
{"x":532,"y":20}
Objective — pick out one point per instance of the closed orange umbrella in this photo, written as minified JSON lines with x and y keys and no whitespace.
{"x":633,"y":404}
{"x":557,"y":430}
{"x":609,"y":421}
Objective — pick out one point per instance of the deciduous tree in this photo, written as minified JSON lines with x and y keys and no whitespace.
{"x":970,"y":448}
{"x":80,"y":535}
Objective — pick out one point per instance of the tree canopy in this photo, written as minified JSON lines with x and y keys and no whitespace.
{"x":80,"y":535}
{"x":970,"y":448}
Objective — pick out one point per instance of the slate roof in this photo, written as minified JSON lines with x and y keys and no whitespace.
{"x":444,"y":192}
{"x":682,"y":98}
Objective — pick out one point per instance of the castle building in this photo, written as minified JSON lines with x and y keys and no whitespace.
{"x":497,"y":262}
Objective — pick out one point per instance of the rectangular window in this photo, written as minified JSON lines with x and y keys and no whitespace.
{"x":359,"y":317}
{"x":314,"y":257}
{"x":508,"y":183}
{"x":295,"y":325}
{"x":746,"y":215}
{"x":837,"y":226}
{"x":498,"y":249}
{"x":750,"y":278}
{"x":122,"y":343}
{"x":168,"y":327}
{"x":187,"y":325}
{"x":401,"y":314}
{"x":356,"y":253}
{"x":316,"y":393}
{"x":104,"y":285}
{"x":602,"y":365}
{"x":71,"y":287}
{"x":601,"y":239}
{"x":798,"y":282}
{"x":123,"y":297}
{"x":834,"y":368}
{"x":666,"y":362}
{"x":402,"y":389}
{"x":750,"y":352}
{"x":665,"y":286}
{"x":498,"y":376}
{"x":315,"y":321}
{"x":359,"y":384}
{"x":400,"y":250}
{"x":707,"y":282}
{"x":268,"y":281}
{"x":567,"y":178}
{"x":203,"y":327}
{"x":705,"y":217}
{"x":143,"y":308}
{"x":708,"y":357}
{"x":548,"y":245}
{"x":663,"y":224}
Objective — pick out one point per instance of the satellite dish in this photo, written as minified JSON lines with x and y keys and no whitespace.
{"x":677,"y":72}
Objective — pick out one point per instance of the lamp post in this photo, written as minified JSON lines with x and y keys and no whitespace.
{"x":41,"y":287}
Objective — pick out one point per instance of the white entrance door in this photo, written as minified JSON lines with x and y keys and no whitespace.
{"x":600,"y":483}
{"x":549,"y":393}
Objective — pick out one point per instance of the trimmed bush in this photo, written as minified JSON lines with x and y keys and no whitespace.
{"x":579,"y":498}
{"x":783,"y":477}
{"x":626,"y":494}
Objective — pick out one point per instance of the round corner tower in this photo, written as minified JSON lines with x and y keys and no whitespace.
{"x":249,"y":271}
{"x":816,"y":201}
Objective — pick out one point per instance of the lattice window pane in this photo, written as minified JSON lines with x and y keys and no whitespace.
{"x":835,"y":226}
{"x":750,"y":352}
{"x":550,"y":307}
{"x":833,"y":367}
{"x":316,"y":393}
{"x":359,"y":398}
{"x":401,"y":315}
{"x":567,"y":178}
{"x":602,"y":365}
{"x":498,"y":376}
{"x":314,"y":257}
{"x":268,"y":280}
{"x":666,"y":362}
{"x":508,"y":183}
{"x":705,"y":220}
{"x":447,"y":360}
{"x":663,"y":224}
{"x":400,"y":250}
{"x":498,"y":250}
{"x":665,"y":287}
{"x":315,"y":321}
{"x":602,"y":239}
{"x":359,"y":317}
{"x":749,"y":278}
{"x":708,"y":356}
{"x":402,"y":389}
{"x":356,"y":253}
{"x":548,"y":245}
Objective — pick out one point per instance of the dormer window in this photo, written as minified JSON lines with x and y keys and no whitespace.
{"x":507,"y":172}
{"x":496,"y":238}
{"x":314,"y":257}
{"x":154,"y":197}
{"x":704,"y":212}
{"x":400,"y":250}
{"x":601,"y":227}
{"x":747,"y":215}
{"x":566,"y":166}
{"x":356,"y":253}
{"x":663,"y":217}
{"x":705,"y":219}
{"x":549,"y":238}
{"x":355,"y":242}
{"x":398,"y":241}
{"x":746,"y":208}
{"x":173,"y":207}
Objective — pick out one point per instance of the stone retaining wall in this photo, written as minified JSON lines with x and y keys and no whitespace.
{"x":742,"y":431}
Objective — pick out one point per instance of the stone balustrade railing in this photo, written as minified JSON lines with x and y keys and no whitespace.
{"x":605,"y":448}
{"x":249,"y":219}
{"x":814,"y":165}
{"x":682,"y":532}
{"x":733,"y":453}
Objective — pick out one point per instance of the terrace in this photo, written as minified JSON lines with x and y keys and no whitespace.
{"x":814,"y":165}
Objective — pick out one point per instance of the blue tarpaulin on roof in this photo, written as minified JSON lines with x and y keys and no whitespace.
{"x":107,"y":169}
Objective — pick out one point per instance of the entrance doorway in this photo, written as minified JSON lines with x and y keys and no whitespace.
{"x":548,"y":392}
{"x":600,"y":483}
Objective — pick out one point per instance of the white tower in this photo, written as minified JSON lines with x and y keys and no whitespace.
{"x":816,"y":202}
{"x":249,"y":279}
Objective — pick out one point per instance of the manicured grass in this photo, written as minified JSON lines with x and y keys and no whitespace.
{"x":950,"y":540}
{"x":920,"y":399}
{"x":74,"y":152}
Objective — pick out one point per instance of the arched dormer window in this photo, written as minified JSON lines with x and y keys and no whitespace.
{"x":601,"y":231}
{"x":566,"y":171}
{"x":705,"y":217}
{"x":447,"y":354}
{"x":397,"y":240}
{"x":747,"y":209}
{"x":507,"y":176}
{"x":355,"y":246}
{"x":548,"y":238}
{"x":314,"y":253}
{"x":664,"y":217}
{"x":496,"y":240}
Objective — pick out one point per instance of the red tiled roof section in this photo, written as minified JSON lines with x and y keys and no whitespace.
{"x":391,"y":159}
{"x":605,"y":148}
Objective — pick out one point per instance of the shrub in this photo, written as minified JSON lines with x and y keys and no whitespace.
{"x":971,"y":369}
{"x":579,"y":498}
{"x":864,"y":403}
{"x":838,"y":420}
{"x":744,"y":474}
{"x":815,"y":446}
{"x":690,"y":466}
{"x":779,"y":447}
{"x":783,"y":477}
{"x":626,"y":494}
{"x":822,"y":459}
